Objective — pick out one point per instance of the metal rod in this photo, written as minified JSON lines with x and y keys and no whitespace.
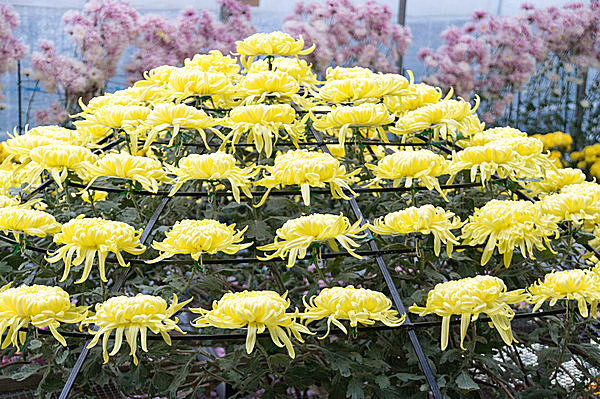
{"x":273,"y":192}
{"x":240,"y":336}
{"x":401,"y":21}
{"x":20,"y":106}
{"x":309,"y":143}
{"x":429,"y":376}
{"x":324,"y":255}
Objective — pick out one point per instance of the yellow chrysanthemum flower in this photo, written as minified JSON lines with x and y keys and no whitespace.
{"x":308,"y":169}
{"x":493,"y":134}
{"x":580,"y":285}
{"x":259,"y":310}
{"x":88,"y":237}
{"x":6,"y":201}
{"x":576,"y":156}
{"x":14,"y":179}
{"x":173,"y":117}
{"x":106,"y":100}
{"x":260,"y":86}
{"x":196,"y":237}
{"x":508,"y":224}
{"x":595,"y":170}
{"x":589,"y":156}
{"x":144,"y":170}
{"x":299,"y":69}
{"x":340,"y":73}
{"x":587,"y":188}
{"x":158,"y":76}
{"x":118,"y":117}
{"x":132,"y":316}
{"x":447,"y":118}
{"x":264,"y":125}
{"x":557,"y":159}
{"x":363,"y":88}
{"x":469,"y":297}
{"x":572,"y":207}
{"x":146,"y":95}
{"x":359,"y":305}
{"x":491,"y":159}
{"x":214,"y":61}
{"x":70,"y":136}
{"x":20,"y":146}
{"x":95,"y":132}
{"x":366,"y":118}
{"x":40,"y":305}
{"x":126,"y":117}
{"x":418,"y":96}
{"x":58,"y":159}
{"x":190,"y":82}
{"x":555,"y":180}
{"x":296,"y":235}
{"x":32,"y":222}
{"x":556,"y":140}
{"x":216,"y":166}
{"x":427,"y":219}
{"x":273,"y":43}
{"x":532,"y":151}
{"x":421,"y":164}
{"x":7,"y":181}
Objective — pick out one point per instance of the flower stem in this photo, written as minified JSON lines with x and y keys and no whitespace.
{"x":566,"y":339}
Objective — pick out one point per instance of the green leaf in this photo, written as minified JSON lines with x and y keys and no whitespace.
{"x":382,"y":381}
{"x":465,"y":382}
{"x":161,"y":381}
{"x":355,"y":389}
{"x":26,"y":371}
{"x":405,"y":377}
{"x":62,"y":355}
{"x":35,"y":344}
{"x":5,"y":267}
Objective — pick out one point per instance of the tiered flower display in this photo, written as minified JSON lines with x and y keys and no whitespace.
{"x":363,"y":179}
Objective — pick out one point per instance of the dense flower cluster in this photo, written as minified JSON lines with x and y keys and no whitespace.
{"x":349,"y":34}
{"x":503,"y":152}
{"x":169,"y":42}
{"x":11,"y":48}
{"x":218,"y":120}
{"x":495,"y":56}
{"x":101,"y":32}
